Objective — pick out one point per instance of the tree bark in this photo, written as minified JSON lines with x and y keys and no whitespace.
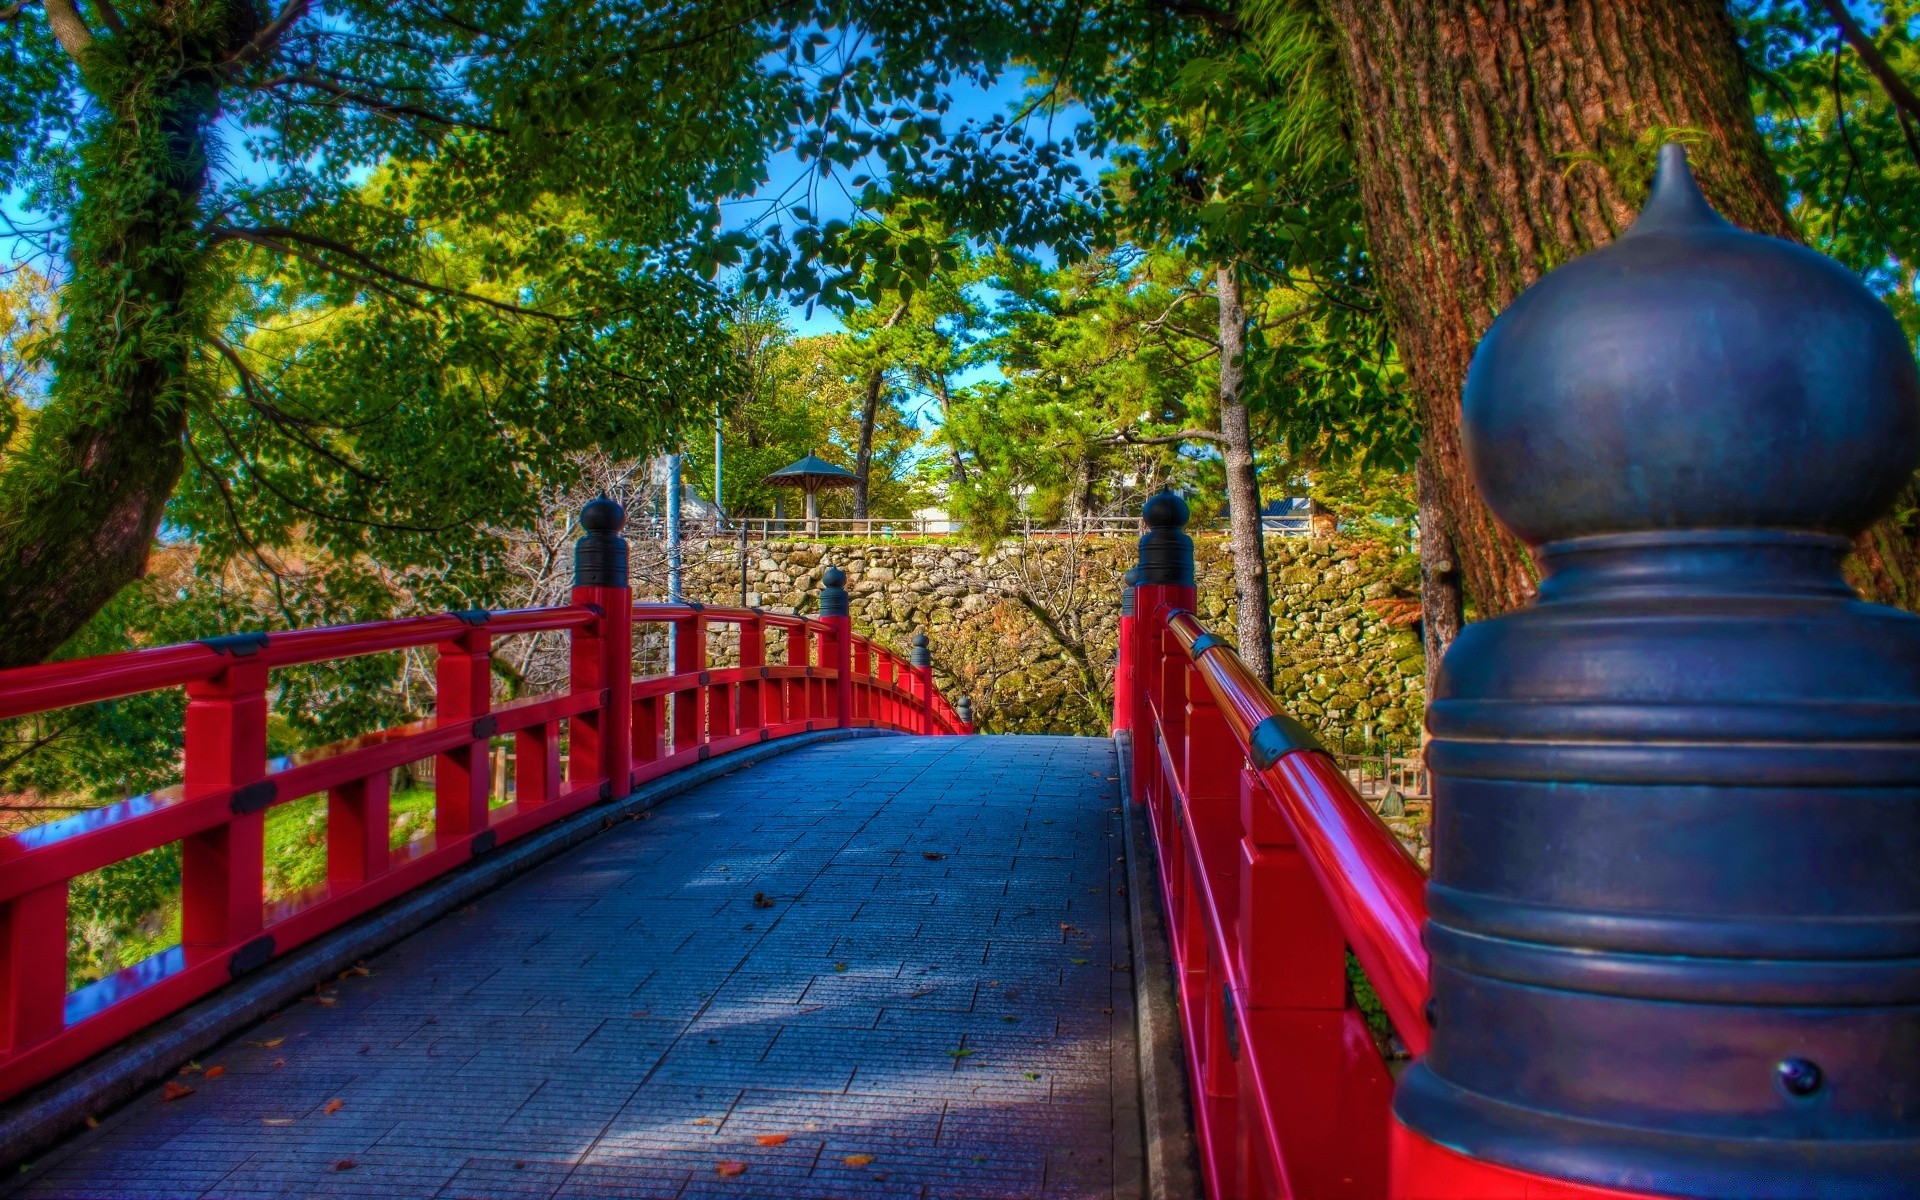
{"x":81,"y":500}
{"x":1494,"y":141}
{"x":863,"y":458}
{"x":1252,"y":605}
{"x":1442,"y":607}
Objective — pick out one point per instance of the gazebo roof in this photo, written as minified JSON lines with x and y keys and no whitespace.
{"x":811,"y":473}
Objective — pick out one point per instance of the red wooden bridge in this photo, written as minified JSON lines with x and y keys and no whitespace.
{"x":782,"y":928}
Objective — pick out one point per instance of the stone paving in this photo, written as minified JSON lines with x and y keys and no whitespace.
{"x":891,"y":967}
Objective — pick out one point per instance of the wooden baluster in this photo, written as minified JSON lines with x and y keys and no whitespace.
{"x":536,"y":765}
{"x":33,"y":966}
{"x":865,"y":699}
{"x":358,"y":831}
{"x":464,"y":685}
{"x":794,"y":692}
{"x":689,"y":659}
{"x":222,"y":869}
{"x":753,"y":655}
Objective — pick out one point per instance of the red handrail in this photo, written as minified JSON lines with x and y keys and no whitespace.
{"x":1271,"y":870}
{"x":1377,"y":890}
{"x":621,"y":732}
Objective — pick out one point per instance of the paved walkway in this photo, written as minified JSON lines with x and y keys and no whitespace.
{"x":891,"y":967}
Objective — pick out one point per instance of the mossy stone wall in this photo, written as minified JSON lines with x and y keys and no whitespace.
{"x":1028,"y":629}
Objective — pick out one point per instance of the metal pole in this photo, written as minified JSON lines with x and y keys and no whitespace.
{"x":719,"y":507}
{"x":743,"y":564}
{"x":674,"y":594}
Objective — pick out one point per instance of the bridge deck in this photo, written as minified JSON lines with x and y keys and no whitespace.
{"x":936,"y":1004}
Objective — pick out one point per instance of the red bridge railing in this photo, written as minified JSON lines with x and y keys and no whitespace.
{"x":619,"y":732}
{"x":1671,"y":940}
{"x":1272,"y":870}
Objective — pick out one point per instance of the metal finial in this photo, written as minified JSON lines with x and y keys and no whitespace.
{"x":833,"y":592}
{"x":600,"y":556}
{"x":1166,"y":552}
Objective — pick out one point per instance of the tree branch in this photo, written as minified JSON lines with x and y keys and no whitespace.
{"x":279,"y":237}
{"x":109,"y":15}
{"x":373,"y":103}
{"x":263,"y":43}
{"x":1130,"y":438}
{"x":1897,"y":89}
{"x":69,"y":29}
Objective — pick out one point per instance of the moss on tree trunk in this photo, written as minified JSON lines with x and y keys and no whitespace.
{"x":83,"y":491}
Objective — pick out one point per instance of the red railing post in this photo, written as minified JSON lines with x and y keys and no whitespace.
{"x":463,"y":681}
{"x":719,"y":704}
{"x":33,"y":966}
{"x":1292,"y":954}
{"x":792,"y":709}
{"x":689,"y":657}
{"x":222,"y":869}
{"x":358,"y":830}
{"x":753,"y":654}
{"x":1125,"y":657}
{"x":865,"y":704}
{"x":922,"y":659}
{"x":839,"y":643}
{"x":536,"y":765}
{"x":599,"y":745}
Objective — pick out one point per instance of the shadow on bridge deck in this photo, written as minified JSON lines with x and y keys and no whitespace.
{"x":936,"y":1004}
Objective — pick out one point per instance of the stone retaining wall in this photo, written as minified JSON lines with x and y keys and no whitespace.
{"x":1028,"y":629}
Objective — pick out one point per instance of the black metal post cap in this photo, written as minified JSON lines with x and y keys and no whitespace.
{"x":1692,"y":375}
{"x":921,"y":656}
{"x":964,"y":710}
{"x":1676,"y":801}
{"x":833,"y":592}
{"x":602,"y":515}
{"x":600,"y":556}
{"x":1166,"y":552}
{"x":1128,"y":582}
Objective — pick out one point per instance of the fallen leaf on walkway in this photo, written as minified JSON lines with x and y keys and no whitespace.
{"x":960,"y":1052}
{"x":1070,"y":930}
{"x":1079,"y":962}
{"x":334,"y":1105}
{"x":1011,"y":1020}
{"x":276,"y":1120}
{"x":857,"y":1160}
{"x":279,"y":1062}
{"x":192,"y":1068}
{"x":839,"y":966}
{"x":760,"y":900}
{"x":345,"y":1164}
{"x":1033,"y":1074}
{"x":703,"y":1121}
{"x":174,"y":1091}
{"x":327,"y":1001}
{"x":923,"y":992}
{"x":215,"y":1072}
{"x":730,"y":1167}
{"x":93,"y":1122}
{"x":270,"y":1044}
{"x":772,"y":1139}
{"x":931,"y":856}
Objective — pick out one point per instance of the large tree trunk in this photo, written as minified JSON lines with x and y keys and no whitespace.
{"x":1252,"y":605}
{"x":81,"y":500}
{"x":1495,"y":140}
